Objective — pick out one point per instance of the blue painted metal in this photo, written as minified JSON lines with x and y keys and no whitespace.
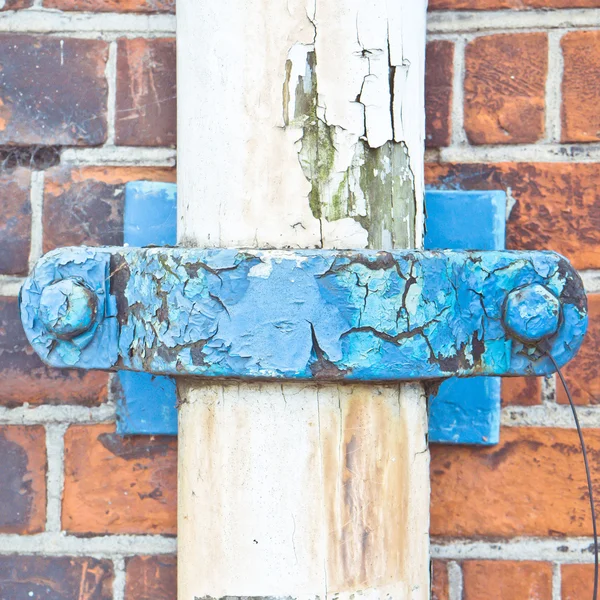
{"x":465,"y":410}
{"x":98,"y":345}
{"x":146,"y":404}
{"x":311,"y":314}
{"x":67,"y":308}
{"x":532,"y":313}
{"x":150,"y":214}
{"x":460,"y":220}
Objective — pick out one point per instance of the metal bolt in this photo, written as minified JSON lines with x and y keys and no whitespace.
{"x":67,"y":308}
{"x":532,"y":313}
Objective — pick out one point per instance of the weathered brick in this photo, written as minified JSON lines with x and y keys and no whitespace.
{"x":53,"y":90}
{"x":583,"y":372}
{"x":55,"y":578}
{"x":557,"y":205}
{"x":514,"y":4}
{"x":438,"y":93}
{"x":531,"y":484}
{"x":16,"y":4}
{"x":15,"y":224}
{"x":439,"y":580}
{"x":521,"y":391}
{"x":507,"y":580}
{"x":577,"y":581}
{"x":146,"y":93}
{"x":140,"y":6}
{"x":505,"y":87}
{"x":25,"y":379}
{"x":22,"y":479}
{"x":580,"y":86}
{"x":151,"y":578}
{"x":115,"y":484}
{"x":85,"y":206}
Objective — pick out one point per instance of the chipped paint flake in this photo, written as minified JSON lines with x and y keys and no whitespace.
{"x":347,"y":148}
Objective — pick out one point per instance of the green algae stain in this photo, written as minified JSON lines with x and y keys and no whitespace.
{"x":388,"y":184}
{"x":381,"y":177}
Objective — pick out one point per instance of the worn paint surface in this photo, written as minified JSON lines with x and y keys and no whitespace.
{"x":340,"y":523}
{"x":92,"y":348}
{"x":466,"y":410}
{"x":146,"y":404}
{"x":252,"y":483}
{"x":322,"y":128}
{"x":310,"y":315}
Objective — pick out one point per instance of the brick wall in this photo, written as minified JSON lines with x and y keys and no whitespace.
{"x":512,"y":104}
{"x":87,"y":103}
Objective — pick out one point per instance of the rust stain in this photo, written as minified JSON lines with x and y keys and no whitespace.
{"x":364,"y":465}
{"x":5,"y":114}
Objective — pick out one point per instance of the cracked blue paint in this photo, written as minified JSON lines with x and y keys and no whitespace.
{"x":465,"y":410}
{"x":307,"y":314}
{"x":146,"y":403}
{"x":95,"y":348}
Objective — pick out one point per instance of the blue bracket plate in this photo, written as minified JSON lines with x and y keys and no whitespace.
{"x":465,"y":411}
{"x":146,"y":403}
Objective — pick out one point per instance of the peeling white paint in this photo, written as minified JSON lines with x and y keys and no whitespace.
{"x":344,"y":233}
{"x":368,"y":68}
{"x":286,"y":134}
{"x":262,"y":270}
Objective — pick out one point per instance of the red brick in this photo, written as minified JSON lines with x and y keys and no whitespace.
{"x":438,"y":93}
{"x":15,"y":225}
{"x":140,"y":6}
{"x":53,"y":90}
{"x":55,"y":578}
{"x":521,"y":391}
{"x":531,"y":484}
{"x":514,"y":4}
{"x":146,"y":93}
{"x":151,"y":578}
{"x":24,"y":378}
{"x":557,"y":205}
{"x":505,"y":88}
{"x":115,"y":484}
{"x":507,"y":580}
{"x":85,"y":206}
{"x":583,"y":372}
{"x":22,"y":479}
{"x":577,"y":581}
{"x":580,"y":86}
{"x":16,"y":4}
{"x":439,"y":580}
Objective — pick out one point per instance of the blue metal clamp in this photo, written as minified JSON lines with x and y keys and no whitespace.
{"x":371,"y":316}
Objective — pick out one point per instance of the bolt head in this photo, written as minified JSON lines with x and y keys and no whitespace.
{"x":532,"y":313}
{"x":67,"y":308}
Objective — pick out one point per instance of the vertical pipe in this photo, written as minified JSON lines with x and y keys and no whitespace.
{"x":300,"y":125}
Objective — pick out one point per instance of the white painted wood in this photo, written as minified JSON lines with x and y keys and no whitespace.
{"x":301,"y":124}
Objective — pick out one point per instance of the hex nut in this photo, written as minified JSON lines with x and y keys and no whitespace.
{"x":532,"y":313}
{"x":67,"y":308}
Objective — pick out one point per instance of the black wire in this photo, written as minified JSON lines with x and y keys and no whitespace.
{"x":587,"y":473}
